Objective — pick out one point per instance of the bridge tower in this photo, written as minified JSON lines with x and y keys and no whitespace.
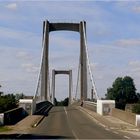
{"x":77,"y":27}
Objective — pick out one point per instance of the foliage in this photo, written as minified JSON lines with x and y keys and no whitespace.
{"x":136,"y":108}
{"x":19,"y":96}
{"x":122,"y":91}
{"x":65,"y":102}
{"x":1,"y":91}
{"x":7,"y":102}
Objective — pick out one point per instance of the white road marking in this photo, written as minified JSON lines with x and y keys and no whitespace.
{"x":115,"y":132}
{"x":127,"y":137}
{"x":74,"y":134}
{"x":65,"y":111}
{"x":107,"y":129}
{"x":19,"y":135}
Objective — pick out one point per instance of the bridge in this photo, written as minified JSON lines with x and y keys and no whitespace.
{"x":85,"y":86}
{"x":45,"y":90}
{"x":71,"y":121}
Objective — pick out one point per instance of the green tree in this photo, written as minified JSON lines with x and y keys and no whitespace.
{"x":55,"y":102}
{"x":123,"y":91}
{"x":136,"y":108}
{"x":66,"y":102}
{"x":19,"y":96}
{"x":1,"y":91}
{"x":7,"y":102}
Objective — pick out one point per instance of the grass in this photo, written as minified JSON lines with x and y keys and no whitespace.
{"x":4,"y":128}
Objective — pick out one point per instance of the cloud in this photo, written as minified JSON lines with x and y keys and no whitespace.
{"x":134,"y":66}
{"x":23,"y":55}
{"x":136,"y":9}
{"x":128,"y":42}
{"x":11,"y":6}
{"x":134,"y":63}
{"x":30,"y":68}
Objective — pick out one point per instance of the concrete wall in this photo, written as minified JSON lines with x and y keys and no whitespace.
{"x":138,"y":120}
{"x":13,"y":116}
{"x":1,"y":119}
{"x":123,"y":115}
{"x":104,"y":107}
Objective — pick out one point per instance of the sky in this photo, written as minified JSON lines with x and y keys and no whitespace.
{"x":113,"y":38}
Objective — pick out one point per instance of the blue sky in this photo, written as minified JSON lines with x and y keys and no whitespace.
{"x":113,"y":37}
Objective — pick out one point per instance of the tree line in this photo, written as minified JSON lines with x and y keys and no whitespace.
{"x":64,"y":102}
{"x":123,"y":91}
{"x":9,"y":101}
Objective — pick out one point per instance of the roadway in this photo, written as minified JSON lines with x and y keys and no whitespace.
{"x":69,"y":122}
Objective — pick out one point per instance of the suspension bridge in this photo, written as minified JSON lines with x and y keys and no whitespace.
{"x":72,"y":121}
{"x":45,"y":90}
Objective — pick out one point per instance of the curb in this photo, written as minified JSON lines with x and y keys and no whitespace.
{"x":38,"y":121}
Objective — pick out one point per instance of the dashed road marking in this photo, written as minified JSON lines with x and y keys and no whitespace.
{"x":115,"y":132}
{"x":19,"y":135}
{"x":75,"y":135}
{"x":127,"y":137}
{"x":65,"y":111}
{"x":107,"y":129}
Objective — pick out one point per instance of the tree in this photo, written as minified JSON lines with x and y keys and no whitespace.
{"x":122,"y":91}
{"x":19,"y":96}
{"x":7,"y":102}
{"x":1,"y":91}
{"x":64,"y":102}
{"x":55,"y":102}
{"x":136,"y":108}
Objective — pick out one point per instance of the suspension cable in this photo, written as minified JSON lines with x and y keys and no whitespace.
{"x":76,"y":92}
{"x":41,"y":62}
{"x":88,"y":63}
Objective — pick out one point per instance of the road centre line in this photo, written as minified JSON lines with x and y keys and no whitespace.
{"x":127,"y":137}
{"x":74,"y":134}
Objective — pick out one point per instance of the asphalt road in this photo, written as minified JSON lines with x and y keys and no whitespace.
{"x":69,"y":122}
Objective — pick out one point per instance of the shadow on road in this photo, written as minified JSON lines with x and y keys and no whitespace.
{"x":31,"y":136}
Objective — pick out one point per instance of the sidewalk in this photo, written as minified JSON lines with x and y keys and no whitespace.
{"x":109,"y":121}
{"x":24,"y":125}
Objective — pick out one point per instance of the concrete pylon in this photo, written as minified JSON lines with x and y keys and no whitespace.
{"x":68,"y":72}
{"x":45,"y":62}
{"x":77,"y":27}
{"x":83,"y":62}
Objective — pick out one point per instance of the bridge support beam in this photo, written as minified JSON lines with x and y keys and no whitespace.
{"x":68,"y":72}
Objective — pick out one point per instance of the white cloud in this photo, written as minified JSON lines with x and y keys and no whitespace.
{"x":23,"y":55}
{"x":30,"y":67}
{"x":11,"y":6}
{"x":134,"y":63}
{"x":136,"y":9}
{"x":128,"y":42}
{"x":134,"y":66}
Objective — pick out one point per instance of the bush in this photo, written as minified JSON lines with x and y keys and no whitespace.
{"x":136,"y":109}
